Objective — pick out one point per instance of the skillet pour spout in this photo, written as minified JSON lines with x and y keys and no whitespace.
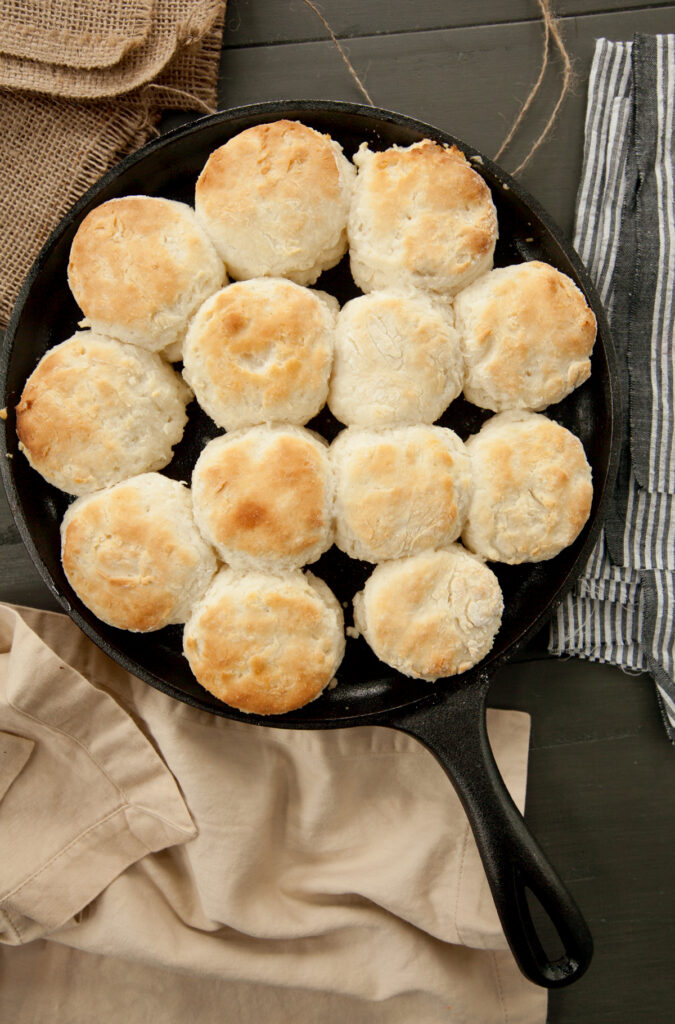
{"x":454,"y":730}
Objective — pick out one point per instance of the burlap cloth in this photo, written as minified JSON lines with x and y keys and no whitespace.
{"x":136,"y":59}
{"x":75,"y":33}
{"x":173,"y":24}
{"x":157,"y":858}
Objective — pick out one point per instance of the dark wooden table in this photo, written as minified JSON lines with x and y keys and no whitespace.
{"x":602,"y":773}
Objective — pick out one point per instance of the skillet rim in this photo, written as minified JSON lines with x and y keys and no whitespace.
{"x":484,"y":670}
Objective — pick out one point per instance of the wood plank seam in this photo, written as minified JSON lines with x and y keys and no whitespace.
{"x":385,"y":33}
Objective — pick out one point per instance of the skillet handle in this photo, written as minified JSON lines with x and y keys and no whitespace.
{"x":455,"y":732}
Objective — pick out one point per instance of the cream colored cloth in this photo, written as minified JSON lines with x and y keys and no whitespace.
{"x":154,"y":857}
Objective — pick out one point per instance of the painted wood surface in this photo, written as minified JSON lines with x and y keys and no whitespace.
{"x":250,"y":22}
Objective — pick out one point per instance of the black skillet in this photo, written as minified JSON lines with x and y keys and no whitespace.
{"x":448,"y":716}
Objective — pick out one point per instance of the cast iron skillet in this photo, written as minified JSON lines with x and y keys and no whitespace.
{"x":448,"y":716}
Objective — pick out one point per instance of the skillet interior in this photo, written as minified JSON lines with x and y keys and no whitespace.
{"x":46,"y":314}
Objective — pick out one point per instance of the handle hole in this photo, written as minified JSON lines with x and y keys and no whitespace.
{"x":546,"y":931}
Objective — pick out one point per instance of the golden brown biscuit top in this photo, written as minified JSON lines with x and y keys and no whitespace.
{"x":41,"y":408}
{"x":132,"y":257}
{"x":121,"y":558}
{"x":264,"y":349}
{"x":431,"y":197}
{"x":266,"y":650}
{"x":399,"y":489}
{"x":438,"y":613}
{"x":50,"y":396}
{"x":266,"y":500}
{"x":550,"y":469}
{"x":284,"y":162}
{"x":542,"y":322}
{"x":88,"y":401}
{"x":533,"y":489}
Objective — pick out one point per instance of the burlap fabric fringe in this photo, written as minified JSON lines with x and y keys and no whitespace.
{"x":173,"y":25}
{"x":78,"y":33}
{"x":54,"y":149}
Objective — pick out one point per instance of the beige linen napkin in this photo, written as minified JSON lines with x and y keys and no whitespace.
{"x":156,"y":852}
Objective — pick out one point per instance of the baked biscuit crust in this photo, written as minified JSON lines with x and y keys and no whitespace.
{"x":139,"y":267}
{"x":421,"y":217}
{"x":265,"y":644}
{"x":433,"y":615}
{"x":134,"y":555}
{"x":264,"y":497}
{"x":398,"y":359}
{"x":527,"y":334}
{"x":533,"y":489}
{"x":399,"y":490}
{"x":261,"y":351}
{"x":275,"y":200}
{"x":95,"y":411}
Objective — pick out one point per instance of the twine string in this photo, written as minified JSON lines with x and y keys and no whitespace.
{"x":195,"y":102}
{"x":551,"y":31}
{"x":329,"y":30}
{"x":543,"y":4}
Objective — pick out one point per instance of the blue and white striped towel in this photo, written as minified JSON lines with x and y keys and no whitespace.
{"x":622,"y":610}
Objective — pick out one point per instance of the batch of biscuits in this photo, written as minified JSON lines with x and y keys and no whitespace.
{"x":225,"y":289}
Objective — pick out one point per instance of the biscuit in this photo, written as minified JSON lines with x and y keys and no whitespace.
{"x":139,"y":267}
{"x":533,"y":489}
{"x":265,"y":644}
{"x":261,"y":351}
{"x":527,"y":333}
{"x":435,"y":614}
{"x":264,"y":497}
{"x":397,"y":360}
{"x":421,"y":217}
{"x":399,"y":490}
{"x":95,"y":411}
{"x":133,"y":553}
{"x":275,"y":200}
{"x":173,"y":353}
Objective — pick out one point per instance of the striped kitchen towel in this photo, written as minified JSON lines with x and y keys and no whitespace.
{"x":622,"y":609}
